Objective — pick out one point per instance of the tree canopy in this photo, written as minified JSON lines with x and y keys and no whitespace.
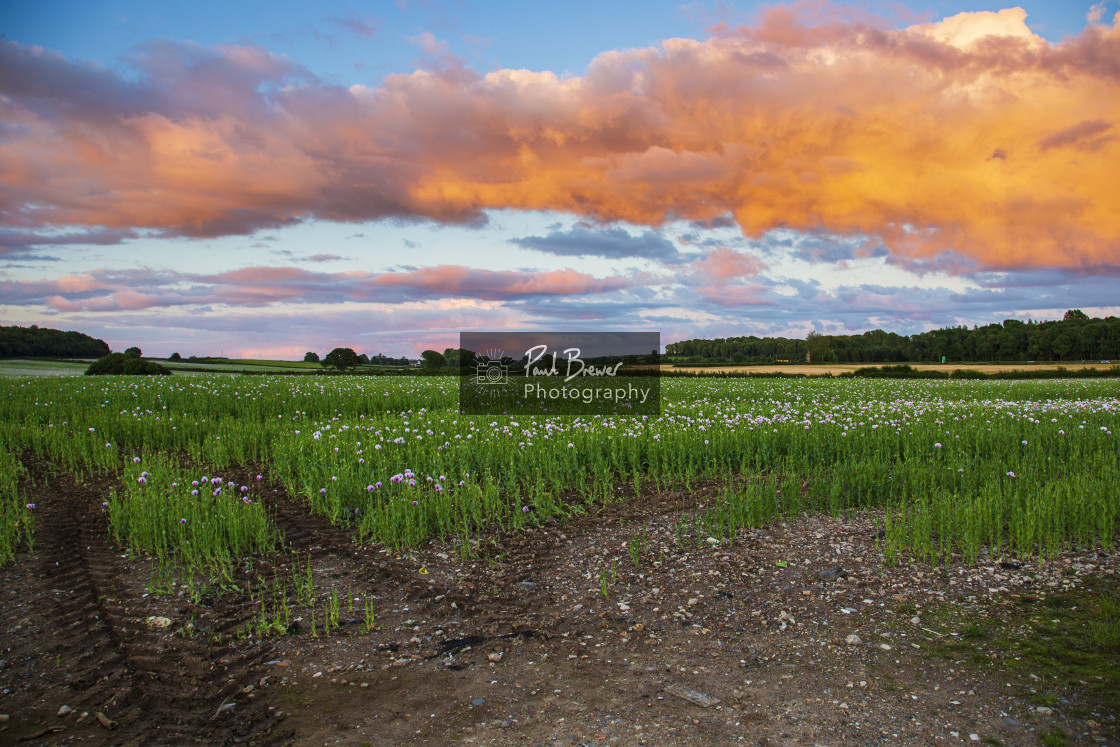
{"x":341,"y":359}
{"x":1075,"y":337}
{"x":128,"y":365}
{"x":433,"y":360}
{"x":19,"y":342}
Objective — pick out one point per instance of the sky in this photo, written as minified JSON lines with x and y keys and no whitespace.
{"x":264,"y":179}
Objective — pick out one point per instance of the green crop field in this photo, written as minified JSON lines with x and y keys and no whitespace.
{"x":17,"y":367}
{"x":951,"y":467}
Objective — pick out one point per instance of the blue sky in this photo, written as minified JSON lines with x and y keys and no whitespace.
{"x":264,"y":179}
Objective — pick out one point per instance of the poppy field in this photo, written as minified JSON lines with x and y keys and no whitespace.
{"x":951,"y":467}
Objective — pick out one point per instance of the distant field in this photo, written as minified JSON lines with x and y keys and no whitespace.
{"x":251,"y":365}
{"x":77,"y":367}
{"x":244,"y":366}
{"x":21,"y":367}
{"x":818,"y":369}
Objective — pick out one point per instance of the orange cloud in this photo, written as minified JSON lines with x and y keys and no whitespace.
{"x":971,"y":134}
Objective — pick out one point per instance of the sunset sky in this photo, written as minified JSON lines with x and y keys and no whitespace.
{"x":264,"y":179}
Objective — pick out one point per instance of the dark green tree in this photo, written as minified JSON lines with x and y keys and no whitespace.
{"x":433,"y":360}
{"x":128,"y":365}
{"x":134,"y":352}
{"x":341,"y":359}
{"x":175,"y":357}
{"x":816,"y":345}
{"x":310,"y":357}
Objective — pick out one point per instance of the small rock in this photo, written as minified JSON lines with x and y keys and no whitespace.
{"x":885,"y":646}
{"x":402,"y":662}
{"x":737,"y":694}
{"x":65,"y":710}
{"x":713,"y":541}
{"x":1043,"y":710}
{"x":105,"y":721}
{"x":495,"y":656}
{"x":831,"y":574}
{"x":974,"y":737}
{"x":916,"y":620}
{"x":161,"y":623}
{"x":1011,"y":722}
{"x":692,"y":696}
{"x":478,"y":701}
{"x":853,"y":640}
{"x":692,"y":602}
{"x":525,"y":585}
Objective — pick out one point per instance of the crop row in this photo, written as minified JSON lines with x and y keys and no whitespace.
{"x":953,"y":467}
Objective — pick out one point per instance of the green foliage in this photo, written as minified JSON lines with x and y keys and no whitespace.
{"x":341,"y":359}
{"x":901,"y":371}
{"x":310,"y":357}
{"x":124,"y":364}
{"x":433,"y":360}
{"x":21,"y":342}
{"x":17,"y":527}
{"x":195,"y":517}
{"x":134,"y":352}
{"x":393,"y":460}
{"x":1075,"y":337}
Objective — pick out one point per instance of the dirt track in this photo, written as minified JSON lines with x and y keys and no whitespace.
{"x":76,"y":628}
{"x":552,"y":635}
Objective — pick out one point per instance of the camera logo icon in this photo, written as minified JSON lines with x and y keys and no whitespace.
{"x":491,"y":372}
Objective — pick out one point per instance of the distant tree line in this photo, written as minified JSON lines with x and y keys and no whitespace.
{"x":1076,"y":337}
{"x":23,"y":342}
{"x":379,"y":359}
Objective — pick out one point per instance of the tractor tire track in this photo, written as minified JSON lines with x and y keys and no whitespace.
{"x":306,"y":533}
{"x":157,"y":686}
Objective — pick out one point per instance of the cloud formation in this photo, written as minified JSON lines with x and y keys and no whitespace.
{"x":806,"y":120}
{"x":610,"y":243}
{"x":115,"y":290}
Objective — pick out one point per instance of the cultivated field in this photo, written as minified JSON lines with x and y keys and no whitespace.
{"x":322,"y":559}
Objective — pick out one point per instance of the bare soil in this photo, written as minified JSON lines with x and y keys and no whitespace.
{"x":557,"y":634}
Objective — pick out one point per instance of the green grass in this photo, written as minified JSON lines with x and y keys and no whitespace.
{"x":1070,"y":641}
{"x":25,"y":367}
{"x":1054,"y":737}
